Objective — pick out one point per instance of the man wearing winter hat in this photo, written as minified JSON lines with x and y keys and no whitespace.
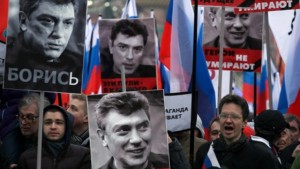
{"x":269,"y":126}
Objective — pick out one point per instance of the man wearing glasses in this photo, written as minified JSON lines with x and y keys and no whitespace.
{"x":23,"y":135}
{"x":57,"y":152}
{"x":232,"y":149}
{"x":28,"y":115}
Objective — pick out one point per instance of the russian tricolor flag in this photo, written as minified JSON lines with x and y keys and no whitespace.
{"x":211,"y":160}
{"x":206,"y":101}
{"x":91,"y":68}
{"x":289,"y":101}
{"x":176,"y":52}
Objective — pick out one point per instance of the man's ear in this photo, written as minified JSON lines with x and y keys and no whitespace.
{"x":110,"y":45}
{"x":101,"y":135}
{"x":85,"y":118}
{"x":22,"y":20}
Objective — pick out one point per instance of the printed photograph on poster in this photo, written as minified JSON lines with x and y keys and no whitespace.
{"x":242,"y":39}
{"x":270,"y":5}
{"x":128,"y":43}
{"x":45,"y":48}
{"x":229,"y":3}
{"x":128,"y":129}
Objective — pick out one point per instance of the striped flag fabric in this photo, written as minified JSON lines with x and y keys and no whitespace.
{"x":206,"y":101}
{"x":176,"y":52}
{"x":91,"y":69}
{"x":176,"y":58}
{"x":129,"y":10}
{"x":248,"y":86}
{"x":211,"y":160}
{"x":263,"y":91}
{"x":289,"y":101}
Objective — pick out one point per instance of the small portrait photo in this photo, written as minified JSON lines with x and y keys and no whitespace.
{"x":128,"y":130}
{"x":242,"y":41}
{"x":241,"y":30}
{"x":127,"y":44}
{"x":45,"y":48}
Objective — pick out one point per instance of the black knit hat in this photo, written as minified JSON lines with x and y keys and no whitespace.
{"x":270,"y":122}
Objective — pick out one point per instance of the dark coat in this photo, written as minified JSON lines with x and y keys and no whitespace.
{"x":156,"y":161}
{"x":55,"y":156}
{"x":269,"y":154}
{"x":286,"y":155}
{"x":177,"y":157}
{"x":251,"y":43}
{"x":75,"y":157}
{"x":238,"y":155}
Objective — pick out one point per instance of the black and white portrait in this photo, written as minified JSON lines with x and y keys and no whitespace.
{"x":128,"y":130}
{"x":128,"y":43}
{"x":45,"y":47}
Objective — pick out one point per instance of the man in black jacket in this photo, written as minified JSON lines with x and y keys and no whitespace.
{"x":269,"y":126}
{"x":232,"y":150}
{"x":57,"y":152}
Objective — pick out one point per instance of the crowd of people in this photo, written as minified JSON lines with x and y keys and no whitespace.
{"x":273,"y":143}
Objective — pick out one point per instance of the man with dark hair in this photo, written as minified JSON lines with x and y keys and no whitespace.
{"x":294,"y":122}
{"x":269,"y":126}
{"x":123,"y":120}
{"x":126,"y":48}
{"x":57,"y":152}
{"x":289,"y":153}
{"x":41,"y":45}
{"x":232,"y":149}
{"x":236,"y":29}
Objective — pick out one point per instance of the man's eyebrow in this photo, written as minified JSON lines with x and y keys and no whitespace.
{"x":44,"y":15}
{"x":117,"y":127}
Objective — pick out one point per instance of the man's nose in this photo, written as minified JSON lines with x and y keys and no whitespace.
{"x":53,"y":125}
{"x":238,"y":22}
{"x":129,"y":54}
{"x":58,"y":30}
{"x":135,"y":137}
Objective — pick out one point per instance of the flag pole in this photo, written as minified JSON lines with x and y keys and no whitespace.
{"x":40,"y":131}
{"x":268,"y":59}
{"x":221,"y":55}
{"x":254,"y":95}
{"x":193,"y":87}
{"x":123,"y":75}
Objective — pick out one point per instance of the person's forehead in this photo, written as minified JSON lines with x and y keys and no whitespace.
{"x":29,"y":109}
{"x":231,"y":108}
{"x":125,"y":38}
{"x":215,"y":124}
{"x":114,"y":117}
{"x":293,"y":123}
{"x":50,"y":7}
{"x":54,"y":115}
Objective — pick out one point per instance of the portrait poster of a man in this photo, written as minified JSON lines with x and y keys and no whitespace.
{"x":46,"y":52}
{"x":128,"y":130}
{"x":242,"y":43}
{"x":127,"y":43}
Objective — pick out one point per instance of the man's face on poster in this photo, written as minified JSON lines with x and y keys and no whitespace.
{"x":48,"y":28}
{"x":236,"y":27}
{"x":128,"y":138}
{"x":127,"y":51}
